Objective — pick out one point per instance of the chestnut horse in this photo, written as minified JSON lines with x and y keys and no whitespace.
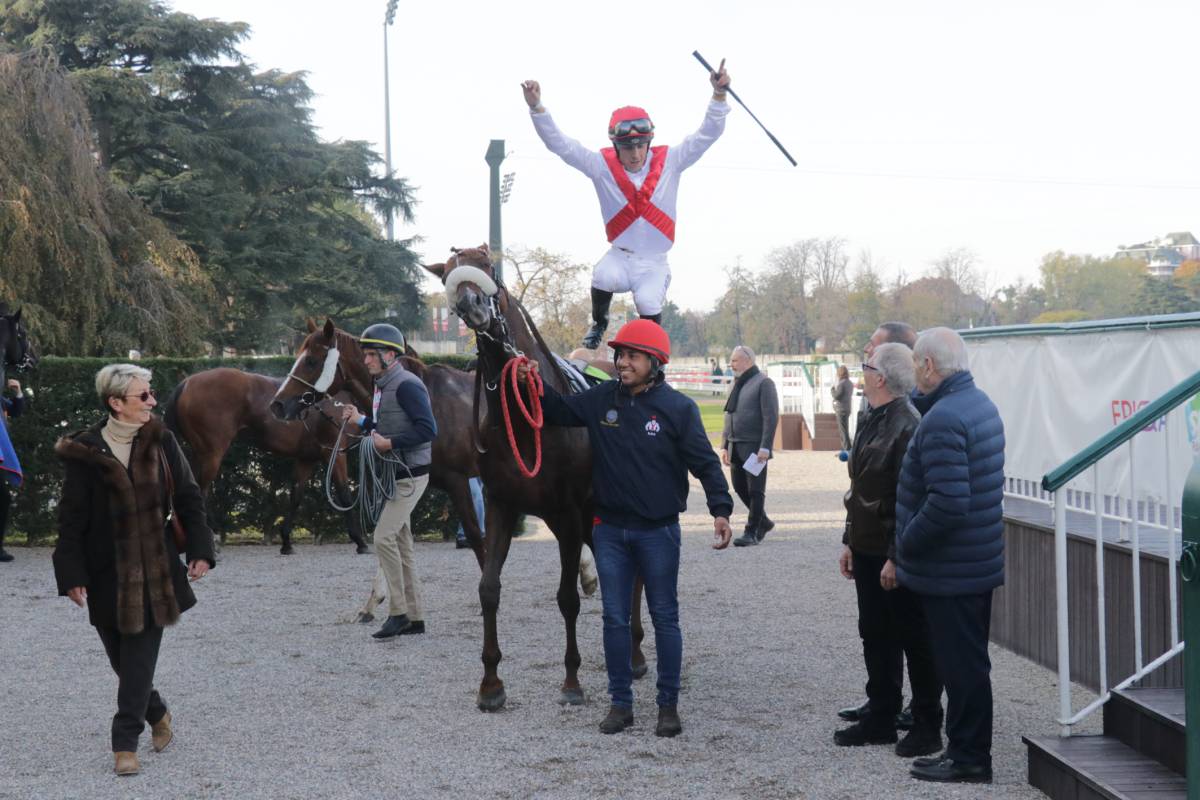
{"x":560,"y":493}
{"x":453,"y":459}
{"x":210,"y":409}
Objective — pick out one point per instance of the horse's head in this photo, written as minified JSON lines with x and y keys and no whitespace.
{"x":17,"y":350}
{"x":472,"y":290}
{"x":316,"y":373}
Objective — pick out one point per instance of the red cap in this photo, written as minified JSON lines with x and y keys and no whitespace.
{"x":637,"y":124}
{"x":646,"y":336}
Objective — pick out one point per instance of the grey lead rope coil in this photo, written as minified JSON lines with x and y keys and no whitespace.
{"x":378,"y":474}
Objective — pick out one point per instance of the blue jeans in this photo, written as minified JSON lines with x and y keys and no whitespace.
{"x":621,"y":555}
{"x":477,"y":497}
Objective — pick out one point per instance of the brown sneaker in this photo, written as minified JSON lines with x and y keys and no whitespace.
{"x":618,"y":719}
{"x":126,"y":763}
{"x":161,"y":734}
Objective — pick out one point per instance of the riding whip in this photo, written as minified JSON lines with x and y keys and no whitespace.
{"x":782,"y":149}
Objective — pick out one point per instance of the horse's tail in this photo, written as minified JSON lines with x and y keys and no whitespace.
{"x":170,"y":417}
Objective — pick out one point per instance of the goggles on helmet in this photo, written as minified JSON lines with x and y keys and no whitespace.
{"x":629,"y":128}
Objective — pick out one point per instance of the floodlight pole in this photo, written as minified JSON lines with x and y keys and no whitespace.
{"x":387,"y":110}
{"x":493,"y":157}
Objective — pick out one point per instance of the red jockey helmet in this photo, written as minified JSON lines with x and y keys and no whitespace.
{"x":630,"y":124}
{"x":645,"y":336}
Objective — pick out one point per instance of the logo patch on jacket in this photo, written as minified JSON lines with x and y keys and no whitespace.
{"x":610,"y":418}
{"x":652,"y":427}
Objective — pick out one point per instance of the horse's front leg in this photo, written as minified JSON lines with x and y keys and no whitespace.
{"x":377,"y":596}
{"x":569,"y":544}
{"x":636,"y":631}
{"x":499,"y":527}
{"x":341,"y":488}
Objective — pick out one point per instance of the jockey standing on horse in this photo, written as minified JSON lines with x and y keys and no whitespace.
{"x":637,"y":186}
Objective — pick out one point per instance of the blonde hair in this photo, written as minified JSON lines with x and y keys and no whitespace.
{"x":114,"y":380}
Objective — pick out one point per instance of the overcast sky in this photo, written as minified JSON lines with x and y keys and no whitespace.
{"x":1011,"y":129}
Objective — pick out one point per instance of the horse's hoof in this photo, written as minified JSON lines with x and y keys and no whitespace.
{"x":571,"y":697}
{"x":640,"y":670}
{"x":364,"y":617}
{"x":362,"y":550}
{"x":492,"y":701}
{"x":286,"y":551}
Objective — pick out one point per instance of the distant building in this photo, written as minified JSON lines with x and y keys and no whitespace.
{"x":1164,"y":254}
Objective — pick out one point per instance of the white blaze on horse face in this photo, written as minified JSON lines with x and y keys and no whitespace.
{"x":465,"y":273}
{"x":330,"y":369}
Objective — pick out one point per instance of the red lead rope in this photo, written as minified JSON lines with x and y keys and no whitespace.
{"x":532,"y":413}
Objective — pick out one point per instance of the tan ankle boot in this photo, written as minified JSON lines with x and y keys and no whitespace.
{"x":161,"y":733}
{"x":126,"y":763}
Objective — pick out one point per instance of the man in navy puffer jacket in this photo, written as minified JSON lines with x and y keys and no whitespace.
{"x":950,"y":544}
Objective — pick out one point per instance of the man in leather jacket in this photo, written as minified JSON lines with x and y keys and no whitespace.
{"x":890,"y":619}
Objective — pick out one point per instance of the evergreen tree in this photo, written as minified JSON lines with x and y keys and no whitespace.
{"x":229,"y":159}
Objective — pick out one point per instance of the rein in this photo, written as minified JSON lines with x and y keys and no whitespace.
{"x":531,"y":412}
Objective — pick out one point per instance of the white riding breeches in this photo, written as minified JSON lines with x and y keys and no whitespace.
{"x":646,"y":276}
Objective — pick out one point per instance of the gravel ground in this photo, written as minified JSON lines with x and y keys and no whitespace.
{"x":277,"y":694}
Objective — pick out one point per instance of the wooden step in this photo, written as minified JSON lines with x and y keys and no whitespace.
{"x":1152,"y":722}
{"x":1098,"y":768}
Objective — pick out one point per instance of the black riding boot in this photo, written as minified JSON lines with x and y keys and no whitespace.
{"x":655,"y":318}
{"x":600,"y":302}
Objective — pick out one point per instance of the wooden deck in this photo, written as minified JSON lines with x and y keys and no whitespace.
{"x":1024,"y":616}
{"x":1102,"y":768}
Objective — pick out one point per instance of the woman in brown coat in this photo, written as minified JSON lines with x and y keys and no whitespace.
{"x":116,"y":552}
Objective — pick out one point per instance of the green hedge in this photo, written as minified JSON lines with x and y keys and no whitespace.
{"x":250,"y":495}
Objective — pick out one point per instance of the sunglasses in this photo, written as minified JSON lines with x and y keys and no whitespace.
{"x":632,"y":127}
{"x":144,"y":396}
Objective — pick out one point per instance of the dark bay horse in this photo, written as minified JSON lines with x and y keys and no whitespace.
{"x":210,"y":409}
{"x":453,"y":458}
{"x":560,"y":493}
{"x":16,"y":351}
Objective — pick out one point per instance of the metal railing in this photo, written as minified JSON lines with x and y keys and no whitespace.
{"x":1135,"y":514}
{"x":1190,"y":572}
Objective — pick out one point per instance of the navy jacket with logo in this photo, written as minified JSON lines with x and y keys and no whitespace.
{"x":643,"y":447}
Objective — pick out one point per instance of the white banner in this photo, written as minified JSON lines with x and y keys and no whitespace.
{"x":1059,"y":393}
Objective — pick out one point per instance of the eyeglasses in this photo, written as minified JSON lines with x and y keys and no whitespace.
{"x":632,"y":127}
{"x":873,"y":369}
{"x":144,"y":396}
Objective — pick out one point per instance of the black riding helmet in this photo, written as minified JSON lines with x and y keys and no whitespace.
{"x":384,"y":337}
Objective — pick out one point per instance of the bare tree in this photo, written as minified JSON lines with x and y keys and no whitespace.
{"x":553,"y":288}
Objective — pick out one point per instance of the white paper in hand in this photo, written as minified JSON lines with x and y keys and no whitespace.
{"x":753,"y":465}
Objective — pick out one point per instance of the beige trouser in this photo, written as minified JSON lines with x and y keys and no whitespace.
{"x":394,"y":546}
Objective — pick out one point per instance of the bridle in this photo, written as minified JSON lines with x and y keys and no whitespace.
{"x":332,"y":369}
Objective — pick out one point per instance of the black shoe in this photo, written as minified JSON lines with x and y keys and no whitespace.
{"x":600,"y":302}
{"x":595,"y":335}
{"x":462,"y":544}
{"x":5,"y":556}
{"x":391,"y":628}
{"x":929,"y":761}
{"x":864,"y":732}
{"x":668,"y":722}
{"x":855,"y":713}
{"x":618,"y":719}
{"x":950,"y":771}
{"x":763,"y":530}
{"x":904,"y":719}
{"x":745,"y":540}
{"x":920,"y":741}
{"x":414,"y":627}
